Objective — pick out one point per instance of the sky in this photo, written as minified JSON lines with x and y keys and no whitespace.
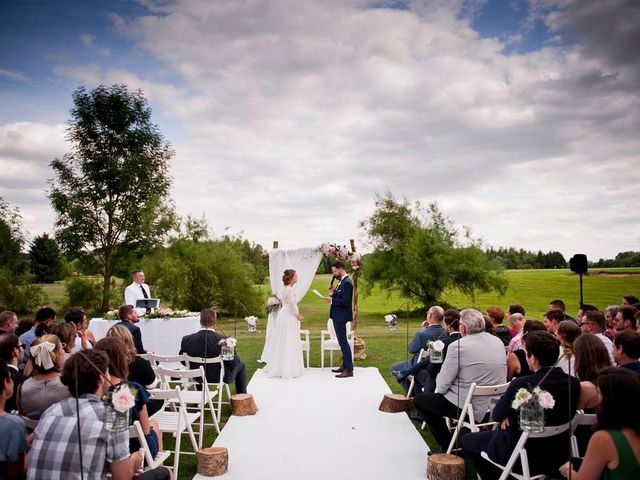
{"x":520,"y":118}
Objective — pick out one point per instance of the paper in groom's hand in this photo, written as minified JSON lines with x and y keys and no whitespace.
{"x":317,"y":293}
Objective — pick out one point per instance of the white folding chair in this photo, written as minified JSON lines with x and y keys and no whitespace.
{"x":135,"y":431}
{"x":195,"y":362}
{"x":201,"y":398}
{"x":175,"y":423}
{"x":306,"y":344}
{"x":520,"y":452}
{"x":175,"y":362}
{"x":467,"y":418}
{"x":329,"y":342}
{"x":580,"y":418}
{"x":421,"y":356}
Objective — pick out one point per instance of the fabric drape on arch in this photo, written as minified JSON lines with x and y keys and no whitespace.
{"x":305,"y":262}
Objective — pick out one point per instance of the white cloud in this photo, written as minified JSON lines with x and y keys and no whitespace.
{"x":12,"y":75}
{"x":89,"y":42}
{"x":293,"y":113}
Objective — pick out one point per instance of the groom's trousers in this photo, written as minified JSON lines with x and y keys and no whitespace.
{"x":341,"y":335}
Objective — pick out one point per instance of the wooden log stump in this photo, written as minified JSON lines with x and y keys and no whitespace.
{"x":394,"y":403}
{"x":442,"y":466}
{"x":243,"y":404}
{"x":359,"y":352}
{"x":212,"y":461}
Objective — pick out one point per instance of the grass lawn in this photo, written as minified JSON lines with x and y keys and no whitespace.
{"x":532,"y":288}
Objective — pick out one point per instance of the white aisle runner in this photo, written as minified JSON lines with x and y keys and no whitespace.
{"x":321,"y":427}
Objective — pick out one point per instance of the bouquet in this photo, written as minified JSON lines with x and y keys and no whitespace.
{"x":540,"y":397}
{"x":229,"y":342}
{"x":251,"y":321}
{"x":274,"y":304}
{"x":390,"y":318}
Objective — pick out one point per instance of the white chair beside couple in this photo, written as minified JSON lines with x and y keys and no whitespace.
{"x":329,"y":342}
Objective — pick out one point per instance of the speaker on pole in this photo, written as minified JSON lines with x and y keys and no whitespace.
{"x":578,"y":264}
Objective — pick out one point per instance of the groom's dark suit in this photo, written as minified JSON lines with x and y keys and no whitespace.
{"x":341,"y":312}
{"x":234,"y":370}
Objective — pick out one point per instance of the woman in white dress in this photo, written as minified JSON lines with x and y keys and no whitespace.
{"x":285,"y":352}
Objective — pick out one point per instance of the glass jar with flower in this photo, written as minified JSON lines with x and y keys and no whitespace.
{"x":532,"y":405}
{"x":227,"y":348}
{"x":252,"y":323}
{"x":392,"y":321}
{"x":436,"y":351}
{"x":117,"y":403}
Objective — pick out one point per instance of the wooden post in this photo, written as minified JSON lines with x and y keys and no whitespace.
{"x":394,"y":403}
{"x":243,"y":404}
{"x":442,"y":466}
{"x":275,"y":244}
{"x":212,"y":461}
{"x":355,"y":294}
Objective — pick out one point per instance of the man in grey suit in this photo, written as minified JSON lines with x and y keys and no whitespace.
{"x":477,"y":357}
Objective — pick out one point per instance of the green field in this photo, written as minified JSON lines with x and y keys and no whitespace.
{"x":531,"y":288}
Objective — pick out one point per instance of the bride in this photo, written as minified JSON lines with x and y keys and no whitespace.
{"x":285,"y":351}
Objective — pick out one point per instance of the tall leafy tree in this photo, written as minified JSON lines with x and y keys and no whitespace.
{"x":110,"y":192}
{"x":418,"y":252}
{"x":16,"y":291}
{"x":47,"y":264}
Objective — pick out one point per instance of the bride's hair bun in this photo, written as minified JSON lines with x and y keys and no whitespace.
{"x":288,"y":275}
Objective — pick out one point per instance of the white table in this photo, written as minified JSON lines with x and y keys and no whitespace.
{"x":159,"y":335}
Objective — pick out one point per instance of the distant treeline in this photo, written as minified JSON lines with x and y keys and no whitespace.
{"x":514,"y":259}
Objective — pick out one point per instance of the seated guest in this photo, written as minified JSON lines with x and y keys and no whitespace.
{"x":516,"y":322}
{"x":85,"y":339}
{"x":626,"y":350}
{"x":584,"y":308}
{"x":11,"y":353}
{"x":558,"y":304}
{"x":625,"y":319}
{"x":67,"y":334}
{"x":13,"y":434}
{"x":567,"y":332}
{"x":496,"y":314}
{"x":546,"y":454}
{"x":8,"y":322}
{"x":591,"y":358}
{"x":45,"y":317}
{"x":610,"y":318}
{"x":431,"y":330}
{"x":629,"y":300}
{"x":593,"y":322}
{"x":477,"y":357}
{"x":44,"y":388}
{"x":140,"y":370}
{"x":517,"y":365}
{"x":129,"y":316}
{"x":516,"y":308}
{"x":205,"y":344}
{"x":424,"y":372}
{"x":119,"y":358}
{"x":613,"y":451}
{"x":54,"y":453}
{"x":552,"y":319}
{"x":24,"y":326}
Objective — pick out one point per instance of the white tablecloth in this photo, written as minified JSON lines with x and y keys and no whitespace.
{"x":159,"y":335}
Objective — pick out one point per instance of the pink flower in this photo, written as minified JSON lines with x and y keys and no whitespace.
{"x":344,"y":253}
{"x":231,"y":342}
{"x":546,"y":400}
{"x":325,"y":248}
{"x":332,"y":250}
{"x":355,"y":257}
{"x":123,"y":399}
{"x":273,"y":300}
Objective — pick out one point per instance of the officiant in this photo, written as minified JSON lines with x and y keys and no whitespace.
{"x":138,"y":290}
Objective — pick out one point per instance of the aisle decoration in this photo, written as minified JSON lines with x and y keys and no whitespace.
{"x":117,"y":403}
{"x":252,"y":322}
{"x":531,"y":405}
{"x":228,"y":346}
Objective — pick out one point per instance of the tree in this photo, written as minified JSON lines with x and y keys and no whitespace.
{"x":47,"y":264}
{"x":16,"y":291}
{"x":110,"y":193}
{"x":418,"y":253}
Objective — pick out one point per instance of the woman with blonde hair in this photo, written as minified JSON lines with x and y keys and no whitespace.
{"x":140,"y":370}
{"x":119,"y":358}
{"x":44,"y":388}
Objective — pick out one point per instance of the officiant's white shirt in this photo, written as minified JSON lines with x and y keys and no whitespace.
{"x":133,"y":293}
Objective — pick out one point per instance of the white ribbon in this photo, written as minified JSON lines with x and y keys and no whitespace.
{"x":41,"y":354}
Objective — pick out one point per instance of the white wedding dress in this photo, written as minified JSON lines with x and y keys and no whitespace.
{"x":285,"y":351}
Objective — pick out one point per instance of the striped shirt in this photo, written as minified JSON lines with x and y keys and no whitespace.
{"x":55,"y":452}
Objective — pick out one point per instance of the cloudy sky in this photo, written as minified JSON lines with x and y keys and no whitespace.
{"x":520,"y":117}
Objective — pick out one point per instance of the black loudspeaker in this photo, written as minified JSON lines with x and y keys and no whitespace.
{"x":578,"y":263}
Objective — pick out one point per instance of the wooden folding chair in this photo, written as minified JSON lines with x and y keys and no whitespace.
{"x":200,"y":398}
{"x":195,"y":362}
{"x":306,"y":344}
{"x":175,"y":422}
{"x":520,"y":452}
{"x":467,"y":418}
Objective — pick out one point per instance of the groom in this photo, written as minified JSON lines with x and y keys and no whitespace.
{"x":341,"y":312}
